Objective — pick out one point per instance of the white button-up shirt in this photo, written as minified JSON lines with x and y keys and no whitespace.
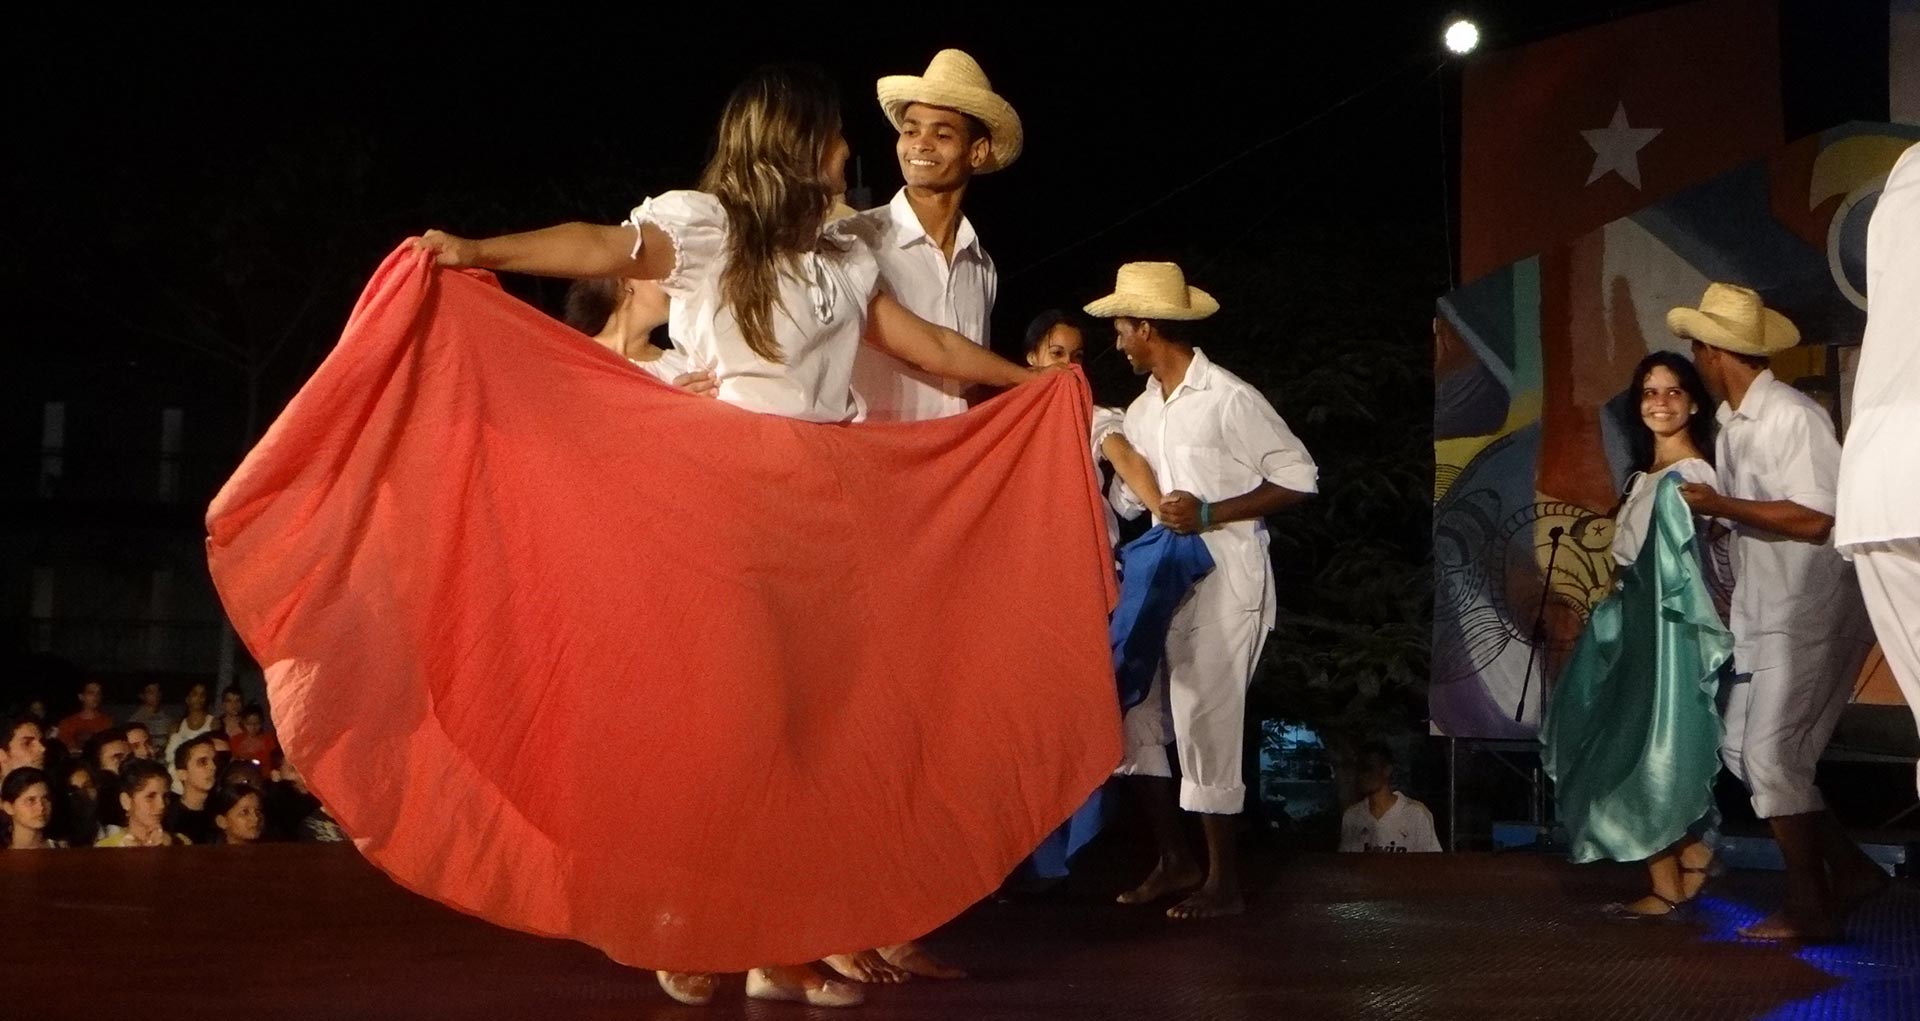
{"x":957,"y":295}
{"x":1217,"y":437}
{"x":1879,"y":493}
{"x":1779,"y":445}
{"x":819,"y":318}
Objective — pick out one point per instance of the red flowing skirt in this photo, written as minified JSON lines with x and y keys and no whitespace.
{"x":587,"y":656}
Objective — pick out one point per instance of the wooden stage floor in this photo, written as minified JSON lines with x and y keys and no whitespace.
{"x":312,"y":931}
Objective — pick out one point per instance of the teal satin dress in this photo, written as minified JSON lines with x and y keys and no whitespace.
{"x":1632,"y":736}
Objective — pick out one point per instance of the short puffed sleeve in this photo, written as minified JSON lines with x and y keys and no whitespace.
{"x":850,"y":242}
{"x":697,"y":225}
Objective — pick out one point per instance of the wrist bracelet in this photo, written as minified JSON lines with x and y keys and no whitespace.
{"x":1206,"y":516}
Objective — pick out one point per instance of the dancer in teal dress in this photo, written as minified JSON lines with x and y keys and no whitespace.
{"x":1632,"y":736}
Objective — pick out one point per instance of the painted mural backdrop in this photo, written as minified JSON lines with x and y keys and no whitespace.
{"x":1531,"y":363}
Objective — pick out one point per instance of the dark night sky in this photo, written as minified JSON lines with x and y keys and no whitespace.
{"x":240,"y":176}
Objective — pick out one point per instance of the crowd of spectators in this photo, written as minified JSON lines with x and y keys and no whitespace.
{"x":153,"y":777}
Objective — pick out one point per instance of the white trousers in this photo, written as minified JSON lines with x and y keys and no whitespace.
{"x":1199,"y":702}
{"x":1890,"y":583}
{"x":1779,"y":718}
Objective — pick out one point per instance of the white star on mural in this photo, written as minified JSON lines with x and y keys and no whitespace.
{"x":1616,"y":148}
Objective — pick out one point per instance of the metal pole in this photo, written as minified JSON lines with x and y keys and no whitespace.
{"x":1453,"y":793}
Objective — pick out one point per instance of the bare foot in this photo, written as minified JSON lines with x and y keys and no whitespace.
{"x":866,"y":966}
{"x":1794,"y":926}
{"x":1208,"y":902}
{"x":912,"y":957}
{"x":693,"y":988}
{"x":1163,"y":881}
{"x":801,"y":984}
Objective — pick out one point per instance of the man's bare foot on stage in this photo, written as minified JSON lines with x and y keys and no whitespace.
{"x":1208,"y":902}
{"x":913,"y":958}
{"x":866,"y":966}
{"x":1786,"y":926}
{"x":1165,"y":880}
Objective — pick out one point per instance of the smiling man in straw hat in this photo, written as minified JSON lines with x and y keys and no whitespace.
{"x":952,"y":126}
{"x":1225,"y":460}
{"x":1798,"y":624}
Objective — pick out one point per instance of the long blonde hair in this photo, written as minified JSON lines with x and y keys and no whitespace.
{"x":766,"y":172}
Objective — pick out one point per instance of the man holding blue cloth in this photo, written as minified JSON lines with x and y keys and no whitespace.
{"x":1225,"y":460}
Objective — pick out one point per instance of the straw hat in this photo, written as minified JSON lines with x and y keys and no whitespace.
{"x":955,"y":81}
{"x":1153,"y":290}
{"x":1733,"y":318}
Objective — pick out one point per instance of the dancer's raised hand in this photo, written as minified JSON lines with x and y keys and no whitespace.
{"x":448,"y":250}
{"x":700,"y":383}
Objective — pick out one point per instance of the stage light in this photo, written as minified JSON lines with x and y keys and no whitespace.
{"x":1462,"y":36}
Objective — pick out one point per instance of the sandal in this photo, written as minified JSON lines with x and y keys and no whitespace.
{"x":1677,"y":911}
{"x":1712,"y":870}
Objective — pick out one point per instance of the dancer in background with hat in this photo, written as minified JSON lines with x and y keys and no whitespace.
{"x":951,"y":125}
{"x":1799,"y":628}
{"x":1226,"y":460}
{"x":1877,"y":524}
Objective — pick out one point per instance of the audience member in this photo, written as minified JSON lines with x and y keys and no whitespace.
{"x":253,"y":742}
{"x":143,"y":797}
{"x":239,"y":814}
{"x":108,"y":750}
{"x":196,"y":775}
{"x":1384,"y":819}
{"x":76,"y":815}
{"x":140,"y":739}
{"x":233,"y":705}
{"x":158,"y":721}
{"x":196,"y":722}
{"x":74,"y":730}
{"x":28,"y":804}
{"x":24,"y":746}
{"x":293,"y":813}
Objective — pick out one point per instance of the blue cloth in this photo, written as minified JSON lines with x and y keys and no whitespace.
{"x":1157,"y":571}
{"x":1049,"y":860}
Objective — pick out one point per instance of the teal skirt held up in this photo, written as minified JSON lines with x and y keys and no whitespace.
{"x":1632,"y":736}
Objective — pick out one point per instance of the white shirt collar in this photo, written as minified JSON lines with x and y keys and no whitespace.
{"x":908,"y":230}
{"x":1199,"y":376}
{"x":1754,"y":404}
